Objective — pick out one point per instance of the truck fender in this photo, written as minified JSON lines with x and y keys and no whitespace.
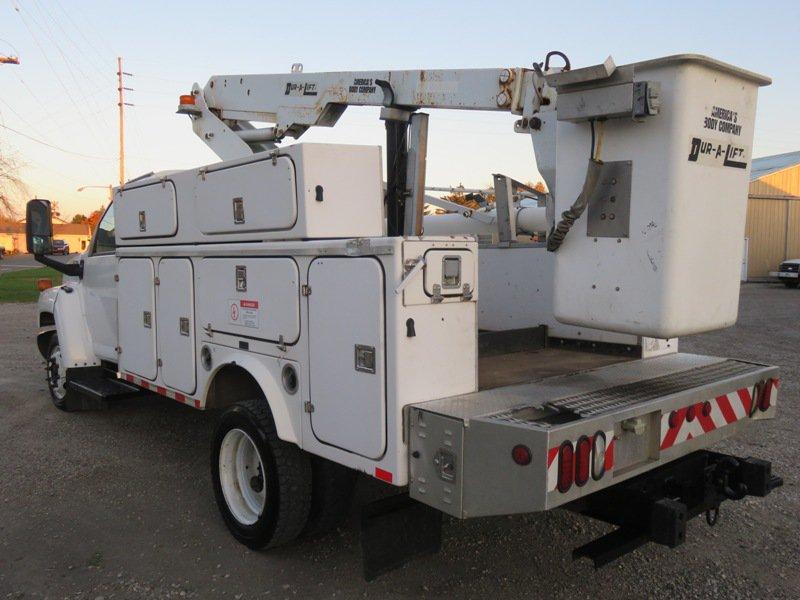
{"x":266,"y":372}
{"x":45,"y":320}
{"x":73,"y":334}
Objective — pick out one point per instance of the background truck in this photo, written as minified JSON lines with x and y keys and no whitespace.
{"x":292,"y":289}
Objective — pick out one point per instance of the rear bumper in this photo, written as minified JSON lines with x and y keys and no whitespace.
{"x":650,"y":412}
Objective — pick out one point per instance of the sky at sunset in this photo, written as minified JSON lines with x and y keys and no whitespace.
{"x":58,"y":108}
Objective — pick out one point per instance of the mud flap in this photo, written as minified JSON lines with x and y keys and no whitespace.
{"x":394,"y":531}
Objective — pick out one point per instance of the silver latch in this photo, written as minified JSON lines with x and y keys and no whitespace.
{"x":466,"y":294}
{"x":183,"y":325}
{"x":238,"y":211}
{"x":451,"y":271}
{"x":209,"y":330}
{"x":147,"y":319}
{"x":156,"y":281}
{"x":159,"y":363}
{"x":305,"y":290}
{"x":142,"y":221}
{"x":308,"y":407}
{"x":365,"y":358}
{"x":241,"y":278}
{"x":281,"y":343}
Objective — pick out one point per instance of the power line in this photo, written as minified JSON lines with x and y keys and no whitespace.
{"x":43,"y":143}
{"x":54,"y":71}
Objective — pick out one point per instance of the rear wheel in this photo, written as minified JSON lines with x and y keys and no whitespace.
{"x":56,"y":372}
{"x":262,"y":484}
{"x":791,"y":283}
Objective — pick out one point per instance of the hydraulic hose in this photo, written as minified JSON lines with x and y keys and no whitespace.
{"x":569,"y":216}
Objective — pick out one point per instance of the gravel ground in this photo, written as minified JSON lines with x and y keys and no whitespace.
{"x":118,"y":504}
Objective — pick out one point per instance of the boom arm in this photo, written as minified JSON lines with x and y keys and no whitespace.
{"x":296,"y":101}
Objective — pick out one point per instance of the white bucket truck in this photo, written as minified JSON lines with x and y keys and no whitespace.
{"x":291,"y":289}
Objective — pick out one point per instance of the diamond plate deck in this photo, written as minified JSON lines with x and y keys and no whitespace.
{"x":607,"y":400}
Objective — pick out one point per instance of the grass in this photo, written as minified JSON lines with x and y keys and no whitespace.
{"x":20,"y":285}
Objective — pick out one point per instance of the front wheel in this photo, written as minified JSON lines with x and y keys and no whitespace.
{"x":62,"y":397}
{"x":261,"y":483}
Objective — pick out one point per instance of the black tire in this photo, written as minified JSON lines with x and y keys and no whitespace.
{"x":63,"y":398}
{"x":331,"y":495}
{"x":791,"y":283}
{"x":287,"y":481}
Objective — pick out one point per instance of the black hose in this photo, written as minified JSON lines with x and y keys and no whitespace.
{"x":569,"y":216}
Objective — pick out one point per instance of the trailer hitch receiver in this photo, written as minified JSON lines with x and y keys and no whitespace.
{"x":655,"y":506}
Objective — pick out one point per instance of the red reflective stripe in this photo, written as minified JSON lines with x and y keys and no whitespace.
{"x":551,"y":456}
{"x":197,"y":405}
{"x":144,"y":384}
{"x":383,"y":475}
{"x":609,"y":462}
{"x":161,"y":390}
{"x":725,"y":408}
{"x":747,"y":400}
{"x":180,"y":397}
{"x":707,"y":423}
{"x":129,"y":377}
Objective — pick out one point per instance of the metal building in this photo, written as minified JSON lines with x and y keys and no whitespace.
{"x":773,"y":213}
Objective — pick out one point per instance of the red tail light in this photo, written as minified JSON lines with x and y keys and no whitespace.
{"x":583,"y":450}
{"x":765,"y":394}
{"x":691,"y":413}
{"x":566,"y":467}
{"x":521,"y":455}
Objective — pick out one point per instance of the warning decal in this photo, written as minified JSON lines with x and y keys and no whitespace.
{"x":717,"y":153}
{"x":243,"y":313}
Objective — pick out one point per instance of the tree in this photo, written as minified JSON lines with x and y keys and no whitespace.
{"x":94,"y":218}
{"x":78,"y":219}
{"x":11,"y":186}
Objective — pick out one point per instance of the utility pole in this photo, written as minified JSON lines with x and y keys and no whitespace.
{"x":122,"y":104}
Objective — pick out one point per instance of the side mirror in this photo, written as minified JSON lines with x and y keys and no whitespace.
{"x":39,"y":227}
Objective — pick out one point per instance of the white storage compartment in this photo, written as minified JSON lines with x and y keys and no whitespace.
{"x":256,"y":298}
{"x":137,"y":318}
{"x":347,"y":356}
{"x":148,"y":211}
{"x":258,"y":196}
{"x":175,"y":319}
{"x":660,"y":254}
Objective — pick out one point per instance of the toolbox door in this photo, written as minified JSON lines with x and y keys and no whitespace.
{"x":137,"y":319}
{"x":257,"y":196}
{"x":146,"y":211}
{"x":176,"y":323}
{"x":347,"y":354}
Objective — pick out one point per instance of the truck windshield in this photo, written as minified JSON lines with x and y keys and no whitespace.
{"x":105,"y":240}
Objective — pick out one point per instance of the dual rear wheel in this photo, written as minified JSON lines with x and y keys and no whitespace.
{"x":269,"y":491}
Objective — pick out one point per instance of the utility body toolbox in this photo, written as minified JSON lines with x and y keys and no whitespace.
{"x":298,"y":192}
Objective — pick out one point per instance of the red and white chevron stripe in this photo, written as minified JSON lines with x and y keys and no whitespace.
{"x":689,"y":422}
{"x":552,"y":462}
{"x":160,"y":390}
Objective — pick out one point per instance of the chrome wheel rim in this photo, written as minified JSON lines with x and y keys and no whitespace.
{"x":57,"y":374}
{"x":242,"y":477}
